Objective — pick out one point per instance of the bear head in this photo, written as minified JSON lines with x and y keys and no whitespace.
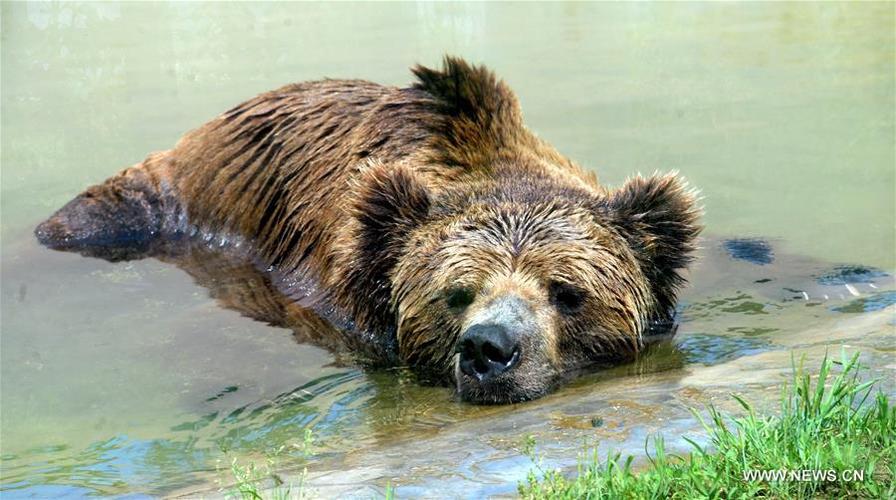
{"x":518,"y":273}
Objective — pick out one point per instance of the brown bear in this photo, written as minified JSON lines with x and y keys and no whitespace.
{"x":434,"y":228}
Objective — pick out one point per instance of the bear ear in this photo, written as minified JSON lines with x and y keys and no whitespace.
{"x":659,"y":216}
{"x":477,"y":114}
{"x":390,"y":201}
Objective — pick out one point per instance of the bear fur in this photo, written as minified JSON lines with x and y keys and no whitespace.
{"x":416,"y":213}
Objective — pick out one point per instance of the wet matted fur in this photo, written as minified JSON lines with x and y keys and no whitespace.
{"x":404,"y":216}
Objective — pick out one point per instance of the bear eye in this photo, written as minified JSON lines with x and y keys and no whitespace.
{"x":460,"y":297}
{"x":567,"y":298}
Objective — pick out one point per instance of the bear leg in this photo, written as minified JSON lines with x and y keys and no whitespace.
{"x":119,"y":219}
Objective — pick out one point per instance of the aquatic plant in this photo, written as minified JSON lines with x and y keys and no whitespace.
{"x":257,"y":482}
{"x":830,"y":440}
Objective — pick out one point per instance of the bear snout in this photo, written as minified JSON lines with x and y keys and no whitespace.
{"x":501,"y":355}
{"x":487,"y":351}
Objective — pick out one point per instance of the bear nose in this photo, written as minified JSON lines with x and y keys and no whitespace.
{"x":487,"y":351}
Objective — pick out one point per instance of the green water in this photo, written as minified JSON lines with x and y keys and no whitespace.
{"x":121,"y":378}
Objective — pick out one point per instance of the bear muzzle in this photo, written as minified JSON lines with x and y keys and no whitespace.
{"x":499,"y":356}
{"x":488,"y":350}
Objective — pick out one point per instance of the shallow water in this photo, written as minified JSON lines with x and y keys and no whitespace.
{"x":128,"y":378}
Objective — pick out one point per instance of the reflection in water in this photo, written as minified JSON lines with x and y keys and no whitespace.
{"x":713,"y":349}
{"x":236,"y":282}
{"x":876,"y":302}
{"x":844,"y":275}
{"x":752,"y":250}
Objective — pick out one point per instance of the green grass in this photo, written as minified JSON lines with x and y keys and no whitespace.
{"x":249,"y":480}
{"x":836,"y":424}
